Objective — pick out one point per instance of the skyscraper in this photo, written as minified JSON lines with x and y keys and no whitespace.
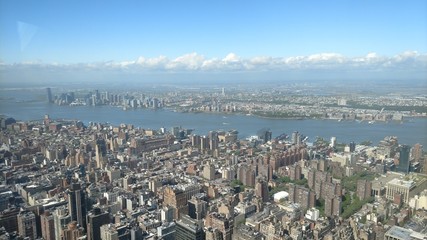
{"x":60,"y":219}
{"x":95,"y":219}
{"x":49,"y":95}
{"x":99,"y":155}
{"x":77,"y":204}
{"x":403,"y":159}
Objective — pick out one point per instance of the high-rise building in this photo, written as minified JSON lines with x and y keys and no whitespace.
{"x":404,"y":163}
{"x":48,"y":226}
{"x":8,"y":219}
{"x":209,"y":172}
{"x":352,"y":146}
{"x":301,"y":195}
{"x":311,"y":178}
{"x":295,"y":172}
{"x":61,"y":220}
{"x":27,"y":225}
{"x":228,"y":173}
{"x":213,"y":144}
{"x":154,"y":184}
{"x":261,"y":190}
{"x":333,"y":142}
{"x":268,"y":135}
{"x":77,"y":206}
{"x":197,"y":208}
{"x":166,"y":214}
{"x":99,"y":156}
{"x":204,"y":143}
{"x":195,"y":140}
{"x":189,"y":229}
{"x":265,"y":135}
{"x":4,"y":200}
{"x":388,"y":147}
{"x":333,"y":206}
{"x":417,"y":152}
{"x":175,"y":131}
{"x":95,"y":219}
{"x":135,"y":233}
{"x":246,"y":175}
{"x":49,"y":95}
{"x":295,"y":137}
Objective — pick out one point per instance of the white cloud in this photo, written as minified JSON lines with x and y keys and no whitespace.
{"x":231,"y":58}
{"x":194,"y":62}
{"x":262,"y":60}
{"x":211,"y":64}
{"x":157,"y":62}
{"x":408,"y":55}
{"x":325,"y":57}
{"x":372,"y":55}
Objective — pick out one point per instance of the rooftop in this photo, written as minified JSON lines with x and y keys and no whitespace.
{"x":403,"y":233}
{"x":399,"y":182}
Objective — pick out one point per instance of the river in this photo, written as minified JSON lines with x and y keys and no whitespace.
{"x":26,"y":104}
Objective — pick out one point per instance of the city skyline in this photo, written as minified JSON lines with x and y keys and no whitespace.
{"x":221,"y":40}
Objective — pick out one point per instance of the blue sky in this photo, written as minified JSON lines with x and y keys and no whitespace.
{"x":202,"y":32}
